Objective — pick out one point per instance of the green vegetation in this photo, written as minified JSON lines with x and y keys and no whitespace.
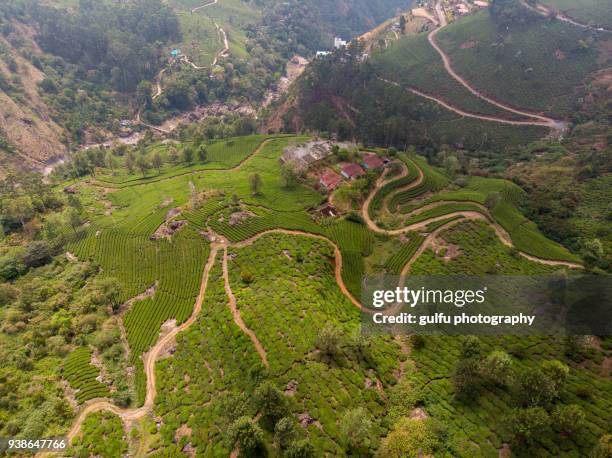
{"x":101,"y":435}
{"x":82,"y":376}
{"x":414,"y":63}
{"x":590,"y":12}
{"x":533,"y":57}
{"x":433,"y":181}
{"x":383,"y":114}
{"x":395,"y":264}
{"x":378,"y":200}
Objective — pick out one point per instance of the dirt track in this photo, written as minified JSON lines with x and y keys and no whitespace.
{"x":533,"y":119}
{"x":547,"y":12}
{"x":499,"y":231}
{"x":236,"y":313}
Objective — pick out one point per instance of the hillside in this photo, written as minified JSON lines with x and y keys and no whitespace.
{"x":196,"y":257}
{"x":477,"y":66}
{"x":248,"y":248}
{"x":72,"y":70}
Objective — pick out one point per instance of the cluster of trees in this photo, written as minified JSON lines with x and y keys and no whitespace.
{"x":303,"y":27}
{"x":276,"y":419}
{"x":123,"y":42}
{"x":22,"y":198}
{"x":536,"y":390}
{"x":214,"y":127}
{"x":510,"y":14}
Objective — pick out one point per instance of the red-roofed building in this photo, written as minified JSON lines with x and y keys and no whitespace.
{"x":372,"y":162}
{"x":351,"y":171}
{"x":330,"y":180}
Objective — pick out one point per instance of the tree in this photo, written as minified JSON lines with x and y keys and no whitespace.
{"x":492,"y":200}
{"x":75,"y":202}
{"x":158,"y":162}
{"x":289,"y":176}
{"x":328,"y":342}
{"x":111,"y":161}
{"x":355,"y":429}
{"x":144,"y":94}
{"x":129,"y":162}
{"x":173,"y":154}
{"x":8,"y":294}
{"x":143,"y":165}
{"x":75,"y":220}
{"x":558,"y":372}
{"x":37,"y":253}
{"x":603,"y":449}
{"x":568,"y":418}
{"x":270,"y":402}
{"x":255,"y":184}
{"x":593,"y":253}
{"x":466,"y":378}
{"x":452,"y":165}
{"x":247,"y":435}
{"x":18,"y":210}
{"x":410,"y":437}
{"x":300,"y":449}
{"x":471,"y":347}
{"x":527,"y":424}
{"x":188,"y":155}
{"x":497,"y":367}
{"x":284,"y":433}
{"x":535,"y":388}
{"x":202,"y":153}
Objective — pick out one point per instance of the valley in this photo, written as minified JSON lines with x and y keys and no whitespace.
{"x":222,"y":179}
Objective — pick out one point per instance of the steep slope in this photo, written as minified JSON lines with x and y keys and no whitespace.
{"x":25,"y":119}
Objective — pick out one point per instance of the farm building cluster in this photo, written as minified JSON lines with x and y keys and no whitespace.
{"x":331,"y":174}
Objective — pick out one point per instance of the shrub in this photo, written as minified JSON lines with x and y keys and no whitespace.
{"x":247,"y":435}
{"x":527,"y":424}
{"x":568,"y":418}
{"x":410,"y":437}
{"x":270,"y":402}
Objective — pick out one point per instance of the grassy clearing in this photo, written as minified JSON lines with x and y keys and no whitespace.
{"x":541,"y":67}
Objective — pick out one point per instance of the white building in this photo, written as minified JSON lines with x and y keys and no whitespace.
{"x":339,"y":43}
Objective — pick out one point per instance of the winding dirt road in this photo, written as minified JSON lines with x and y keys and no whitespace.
{"x":534,"y":119}
{"x":484,"y":215}
{"x":548,"y":12}
{"x":149,"y":360}
{"x":236,"y":313}
{"x":553,"y":124}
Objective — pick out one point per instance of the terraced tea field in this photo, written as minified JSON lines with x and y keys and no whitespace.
{"x":258,"y":312}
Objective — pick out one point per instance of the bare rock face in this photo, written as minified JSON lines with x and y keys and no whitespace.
{"x":240,"y":217}
{"x":167,"y":230}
